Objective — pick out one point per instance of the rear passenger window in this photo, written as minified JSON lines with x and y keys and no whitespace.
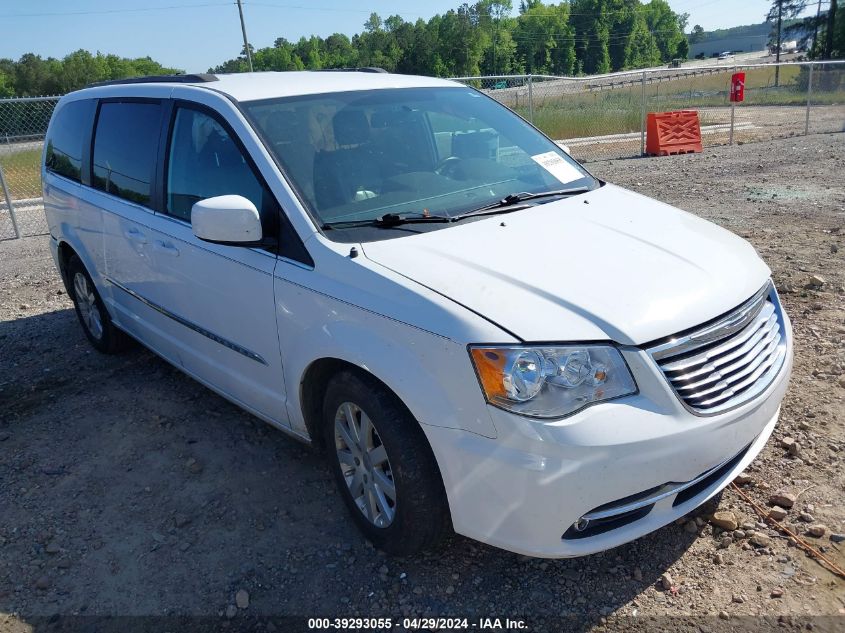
{"x":204,"y":162}
{"x":125,"y":146}
{"x":70,"y":130}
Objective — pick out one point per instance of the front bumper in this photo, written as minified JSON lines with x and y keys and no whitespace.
{"x":525,"y":490}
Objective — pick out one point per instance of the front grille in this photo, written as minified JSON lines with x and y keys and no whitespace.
{"x":729,"y":361}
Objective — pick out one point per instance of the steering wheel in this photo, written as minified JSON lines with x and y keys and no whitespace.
{"x":447,"y":166}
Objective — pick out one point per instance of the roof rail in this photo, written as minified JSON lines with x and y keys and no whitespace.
{"x":363,"y":69}
{"x":171,"y":79}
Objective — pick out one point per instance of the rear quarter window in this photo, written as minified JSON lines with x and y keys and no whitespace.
{"x":125,"y":149}
{"x":69,"y":132}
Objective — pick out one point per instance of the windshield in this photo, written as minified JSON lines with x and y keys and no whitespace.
{"x":358,"y":156}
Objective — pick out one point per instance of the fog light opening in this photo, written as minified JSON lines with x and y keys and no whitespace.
{"x":581,"y":524}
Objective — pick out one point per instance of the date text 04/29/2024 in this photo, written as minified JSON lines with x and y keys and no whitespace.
{"x":415,"y":624}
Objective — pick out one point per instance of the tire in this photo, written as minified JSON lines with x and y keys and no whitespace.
{"x":91,"y":311}
{"x":417,"y":515}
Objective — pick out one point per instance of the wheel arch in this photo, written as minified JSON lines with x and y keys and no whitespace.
{"x":312,"y":389}
{"x":430,"y":375}
{"x":66,"y":252}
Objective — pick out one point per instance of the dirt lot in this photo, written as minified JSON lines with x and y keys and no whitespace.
{"x":128,"y":489}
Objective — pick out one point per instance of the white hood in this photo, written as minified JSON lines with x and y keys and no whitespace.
{"x":610,"y":264}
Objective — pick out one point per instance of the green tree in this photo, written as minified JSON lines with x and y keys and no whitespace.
{"x":779,"y":11}
{"x":682,"y":52}
{"x":836,"y":50}
{"x":35,"y":76}
{"x":421,"y":56}
{"x":499,"y":49}
{"x":589,"y":36}
{"x":696,"y":35}
{"x":309,"y":50}
{"x":623,"y":16}
{"x":276,"y":58}
{"x":81,"y":68}
{"x":7,"y":88}
{"x":641,"y":49}
{"x":460,"y":43}
{"x":546,"y":40}
{"x":826,"y":29}
{"x":376,"y":46}
{"x":592,"y":35}
{"x":339,"y":52}
{"x":667,"y":28}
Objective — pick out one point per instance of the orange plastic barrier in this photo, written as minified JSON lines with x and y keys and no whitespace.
{"x":673,"y":133}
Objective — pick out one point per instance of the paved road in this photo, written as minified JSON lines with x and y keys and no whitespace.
{"x":13,"y":148}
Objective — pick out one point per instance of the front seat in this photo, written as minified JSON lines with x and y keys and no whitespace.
{"x":349,"y":172}
{"x":289,"y":134}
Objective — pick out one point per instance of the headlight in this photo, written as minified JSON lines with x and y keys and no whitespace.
{"x":551,"y":382}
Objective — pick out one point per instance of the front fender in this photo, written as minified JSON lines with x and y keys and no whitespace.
{"x":432,"y":375}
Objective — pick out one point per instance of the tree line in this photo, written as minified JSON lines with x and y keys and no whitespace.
{"x":33,"y":75}
{"x":822,"y":33}
{"x":569,"y":38}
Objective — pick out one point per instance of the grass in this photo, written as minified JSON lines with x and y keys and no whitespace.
{"x":619,"y":110}
{"x":22,"y":171}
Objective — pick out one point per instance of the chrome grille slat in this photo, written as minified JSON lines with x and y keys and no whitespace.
{"x":729,"y":381}
{"x":764,"y":334}
{"x":727,"y":362}
{"x":763,"y":348}
{"x":748,"y":381}
{"x":722,"y":328}
{"x":764,"y":318}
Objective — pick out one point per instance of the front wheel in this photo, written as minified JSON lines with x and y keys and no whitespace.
{"x":383,"y":466}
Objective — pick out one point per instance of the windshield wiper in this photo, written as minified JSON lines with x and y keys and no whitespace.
{"x":387,"y":220}
{"x":513,"y":202}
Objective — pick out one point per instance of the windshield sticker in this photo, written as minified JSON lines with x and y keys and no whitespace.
{"x":558,"y":167}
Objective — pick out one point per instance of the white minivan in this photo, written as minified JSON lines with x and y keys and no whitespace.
{"x":480,"y":335}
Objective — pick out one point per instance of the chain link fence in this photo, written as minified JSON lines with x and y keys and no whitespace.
{"x":603,"y":116}
{"x":23,"y":124}
{"x":597,"y":117}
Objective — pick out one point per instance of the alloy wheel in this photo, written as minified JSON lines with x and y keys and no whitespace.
{"x":364,"y":464}
{"x":87,"y":302}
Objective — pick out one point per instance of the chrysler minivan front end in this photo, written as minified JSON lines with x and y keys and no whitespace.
{"x":651,"y":432}
{"x":480,"y":334}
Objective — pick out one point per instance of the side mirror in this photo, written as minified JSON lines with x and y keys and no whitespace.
{"x":227,"y":220}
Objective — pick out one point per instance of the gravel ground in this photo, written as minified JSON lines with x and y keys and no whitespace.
{"x":126,"y":488}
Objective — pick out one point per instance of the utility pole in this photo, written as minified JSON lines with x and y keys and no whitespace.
{"x":246,"y":41}
{"x":495,"y":29}
{"x":831,"y":22}
{"x":777,"y":58}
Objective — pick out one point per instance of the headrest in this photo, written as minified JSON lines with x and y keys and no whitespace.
{"x":351,"y":127}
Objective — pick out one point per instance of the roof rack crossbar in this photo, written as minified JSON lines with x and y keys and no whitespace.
{"x":173,"y":79}
{"x":362,"y":69}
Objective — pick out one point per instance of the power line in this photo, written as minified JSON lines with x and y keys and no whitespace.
{"x":105,"y":11}
{"x":326,"y":9}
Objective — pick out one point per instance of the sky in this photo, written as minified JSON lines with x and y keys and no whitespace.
{"x":194,"y":35}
